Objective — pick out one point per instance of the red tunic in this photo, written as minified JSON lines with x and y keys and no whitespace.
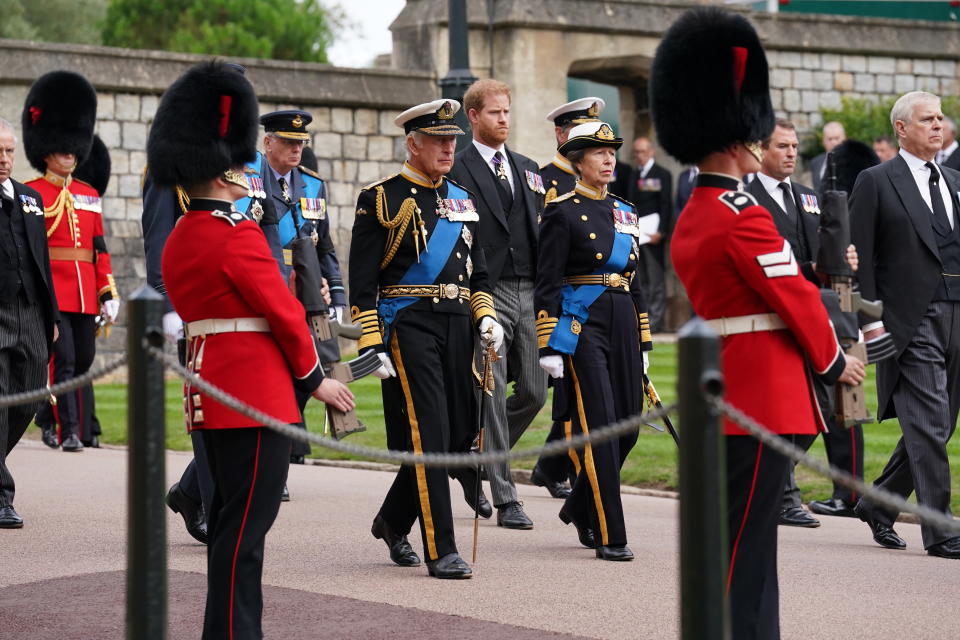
{"x":729,"y":256}
{"x":218,"y":265}
{"x":79,"y":262}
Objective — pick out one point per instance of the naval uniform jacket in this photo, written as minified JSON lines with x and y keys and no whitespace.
{"x":733,"y":262}
{"x":558,"y":177}
{"x":79,"y":262}
{"x":216,"y":265}
{"x":448,"y":268}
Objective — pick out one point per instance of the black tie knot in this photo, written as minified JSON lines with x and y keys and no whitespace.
{"x":934,"y":173}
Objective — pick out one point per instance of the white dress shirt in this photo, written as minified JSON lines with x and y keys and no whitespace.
{"x":772,"y":187}
{"x":487,"y":154}
{"x":921,"y":174}
{"x":946,"y":152}
{"x":7,"y":186}
{"x":645,"y":169}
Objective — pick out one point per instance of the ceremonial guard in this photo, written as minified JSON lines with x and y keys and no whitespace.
{"x":558,"y":178}
{"x":58,"y":119}
{"x":240,"y":318}
{"x":418,"y":286}
{"x":592,"y":328}
{"x":286,"y":196}
{"x":743,"y":278}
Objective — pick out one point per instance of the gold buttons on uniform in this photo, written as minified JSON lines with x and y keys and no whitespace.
{"x":633,"y":257}
{"x":593,"y":236}
{"x":413,"y":189}
{"x":458,"y":255}
{"x":616,"y":204}
{"x":576,"y":200}
{"x":460,"y":277}
{"x":599,"y":256}
{"x":584,"y":218}
{"x":553,"y":182}
{"x":436,"y":300}
{"x":418,"y":210}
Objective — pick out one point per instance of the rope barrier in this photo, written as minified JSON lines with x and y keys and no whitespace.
{"x":39,"y":395}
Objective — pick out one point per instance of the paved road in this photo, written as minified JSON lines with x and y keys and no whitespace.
{"x":61,"y":575}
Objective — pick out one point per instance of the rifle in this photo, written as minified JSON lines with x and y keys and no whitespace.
{"x":486,"y":389}
{"x":654,"y":398}
{"x":834,"y":234}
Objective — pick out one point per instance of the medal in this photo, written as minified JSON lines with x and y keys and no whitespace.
{"x":467,"y":236}
{"x":256,"y":210}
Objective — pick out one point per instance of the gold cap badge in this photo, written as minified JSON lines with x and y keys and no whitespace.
{"x":446,"y":111}
{"x":605,"y":133}
{"x":297,"y":122}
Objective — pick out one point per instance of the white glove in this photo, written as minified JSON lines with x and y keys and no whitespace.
{"x":110,"y":308}
{"x":646,"y":363}
{"x":172,"y":325}
{"x":386,"y":369}
{"x":336,"y":313}
{"x":491,"y":331}
{"x":553,"y":365}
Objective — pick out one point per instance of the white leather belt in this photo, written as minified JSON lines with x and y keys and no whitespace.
{"x":747,"y":324}
{"x":213,"y":326}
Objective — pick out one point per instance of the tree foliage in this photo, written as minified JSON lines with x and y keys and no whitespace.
{"x":52,"y":20}
{"x":278,"y":29}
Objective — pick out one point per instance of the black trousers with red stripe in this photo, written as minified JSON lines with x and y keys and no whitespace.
{"x":756,"y":477}
{"x":249,"y":468}
{"x":73,"y":354}
{"x":431,"y":407}
{"x":845,"y":451}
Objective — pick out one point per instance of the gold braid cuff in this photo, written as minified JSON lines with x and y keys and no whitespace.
{"x":545,"y":326}
{"x":372,"y":335}
{"x":644,"y":321}
{"x":481,"y":304}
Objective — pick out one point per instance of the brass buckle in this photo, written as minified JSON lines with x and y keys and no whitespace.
{"x":614,"y":279}
{"x":450,"y":291}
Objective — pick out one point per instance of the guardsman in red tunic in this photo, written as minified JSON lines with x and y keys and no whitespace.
{"x":246,"y":331}
{"x":58,"y":119}
{"x":742,"y":278}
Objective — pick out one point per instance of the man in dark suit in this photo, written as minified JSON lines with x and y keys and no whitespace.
{"x":28,"y":311}
{"x":949,"y":155}
{"x":833,"y":134}
{"x":650,"y":192}
{"x":904,"y":223}
{"x":885,"y":148}
{"x":685,"y":184}
{"x":509,"y":194}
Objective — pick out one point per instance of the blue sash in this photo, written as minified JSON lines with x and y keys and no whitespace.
{"x":575,"y":302}
{"x":440,"y":245}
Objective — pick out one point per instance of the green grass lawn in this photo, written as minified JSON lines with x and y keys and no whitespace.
{"x":652,"y":463}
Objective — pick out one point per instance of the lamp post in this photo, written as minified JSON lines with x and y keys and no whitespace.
{"x":458,"y":78}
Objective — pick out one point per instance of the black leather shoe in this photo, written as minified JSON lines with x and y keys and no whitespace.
{"x":296,"y":458}
{"x":832,"y":507}
{"x":511,"y":516}
{"x":617,"y":554}
{"x":49,"y":437}
{"x":400,"y":550}
{"x":192,"y":512}
{"x":10,"y":519}
{"x":449,"y":567}
{"x":72,"y":443}
{"x":946,"y":549}
{"x":882,"y":534}
{"x":797,"y":517}
{"x":95,"y":442}
{"x":470,"y":495}
{"x":285,"y":496}
{"x":556,"y":489}
{"x":584,"y":532}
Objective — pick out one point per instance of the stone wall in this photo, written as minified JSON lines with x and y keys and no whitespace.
{"x":354,"y":137}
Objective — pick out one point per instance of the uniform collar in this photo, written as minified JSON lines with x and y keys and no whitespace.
{"x":563,"y":164}
{"x":57,"y":180}
{"x":719,"y":181}
{"x":418,"y":178}
{"x":591,"y":192}
{"x":210,"y":204}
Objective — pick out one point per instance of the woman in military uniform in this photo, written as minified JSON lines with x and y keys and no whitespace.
{"x":593,"y":329}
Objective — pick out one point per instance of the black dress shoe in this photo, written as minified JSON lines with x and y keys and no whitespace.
{"x":49,"y":437}
{"x":882,"y":534}
{"x":95,"y":442}
{"x":296,"y":458}
{"x":556,"y":489}
{"x":400,"y":550}
{"x":285,"y":496}
{"x":469,"y":484}
{"x":10,"y":519}
{"x":511,"y":516}
{"x":192,"y":512}
{"x":946,"y":549}
{"x":832,"y":507}
{"x":797,"y":517}
{"x":617,"y":554}
{"x":449,"y":567}
{"x":72,"y":443}
{"x":584,"y":532}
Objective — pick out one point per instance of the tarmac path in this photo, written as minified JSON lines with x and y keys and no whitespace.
{"x":325,"y":576}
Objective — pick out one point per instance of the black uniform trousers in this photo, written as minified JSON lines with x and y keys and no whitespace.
{"x":605,"y":379}
{"x":755,"y":480}
{"x":428,"y":407}
{"x":845,"y":451}
{"x":73,"y":354}
{"x":23,"y":367}
{"x":249,"y":466}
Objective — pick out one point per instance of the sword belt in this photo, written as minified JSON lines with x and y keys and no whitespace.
{"x":612,"y":280}
{"x":436,"y":291}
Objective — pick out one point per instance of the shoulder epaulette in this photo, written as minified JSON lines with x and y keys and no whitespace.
{"x":233,"y":217}
{"x":248,"y":169}
{"x":309,"y":172}
{"x":563,"y":197}
{"x":623,"y":200}
{"x":737,"y":200}
{"x":84,"y":183}
{"x":380,"y":181}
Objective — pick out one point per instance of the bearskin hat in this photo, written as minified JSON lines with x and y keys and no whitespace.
{"x":308,"y":159}
{"x":205,"y":124}
{"x":58,"y":117}
{"x":95,"y":170}
{"x":709,"y":85}
{"x":850,"y":158}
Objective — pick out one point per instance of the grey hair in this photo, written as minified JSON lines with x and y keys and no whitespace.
{"x":903,"y":108}
{"x":575,"y":157}
{"x":5,"y":124}
{"x":417,"y":138}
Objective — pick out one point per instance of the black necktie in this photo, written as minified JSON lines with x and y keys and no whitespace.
{"x":940,"y":220}
{"x":789,"y":205}
{"x":284,"y":190}
{"x":506,"y":195}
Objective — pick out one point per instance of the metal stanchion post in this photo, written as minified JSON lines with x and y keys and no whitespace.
{"x":146,"y":513}
{"x":705,"y":613}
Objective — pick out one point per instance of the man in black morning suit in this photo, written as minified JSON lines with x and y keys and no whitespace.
{"x":904,"y":221}
{"x":509,"y":201}
{"x":28,"y":311}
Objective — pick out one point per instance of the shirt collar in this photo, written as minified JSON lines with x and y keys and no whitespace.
{"x":771,"y":184}
{"x":645,"y":169}
{"x":7,"y":187}
{"x":419,"y":178}
{"x":915,"y":163}
{"x":946,"y":151}
{"x":277,"y":176}
{"x":487,"y":153}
